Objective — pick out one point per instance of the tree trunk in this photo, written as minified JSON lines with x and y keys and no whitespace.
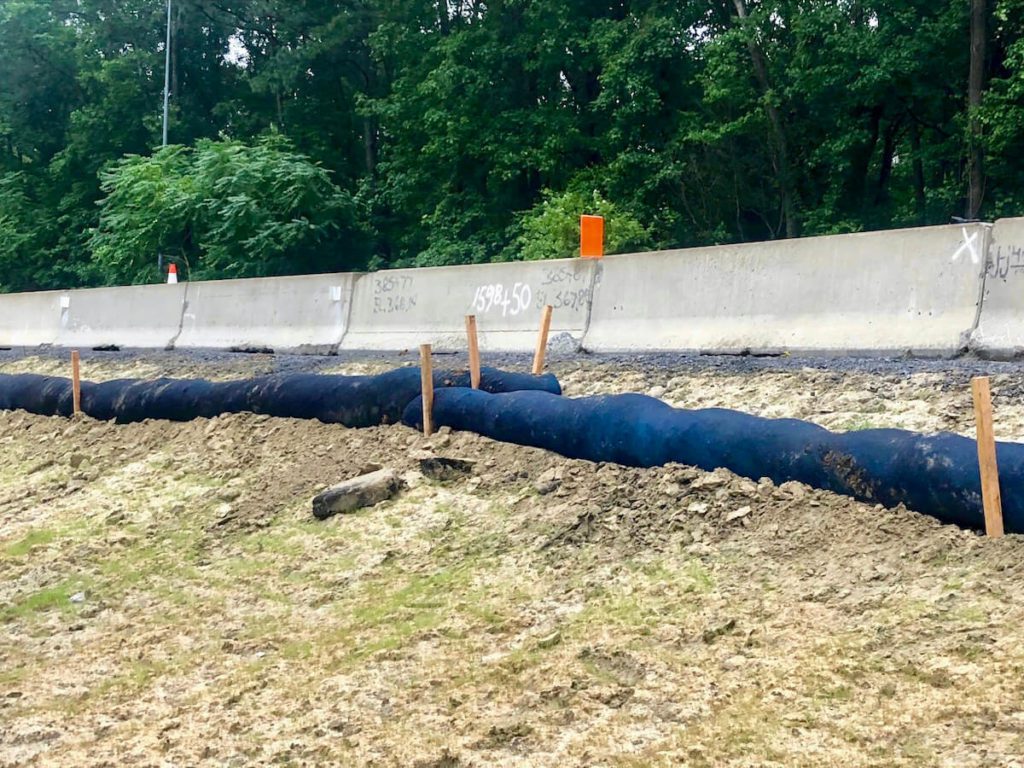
{"x":892,"y":134}
{"x":856,"y":187}
{"x":370,"y":147}
{"x":444,"y":19}
{"x":975,"y":84}
{"x":919,"y":195}
{"x":783,"y":172}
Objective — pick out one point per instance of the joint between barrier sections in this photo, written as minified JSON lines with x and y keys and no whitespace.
{"x":181,"y":318}
{"x":350,"y":300}
{"x":970,"y":343}
{"x":596,"y":273}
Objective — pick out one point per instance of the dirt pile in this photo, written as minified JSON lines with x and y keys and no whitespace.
{"x":167,"y":598}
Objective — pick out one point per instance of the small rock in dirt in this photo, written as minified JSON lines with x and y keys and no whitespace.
{"x":747,"y":487}
{"x":656,"y":392}
{"x":505,"y":735}
{"x":793,"y":489}
{"x":615,"y":699}
{"x":698,"y":508}
{"x":225,"y":514}
{"x":446,"y":760}
{"x":78,"y":460}
{"x":713,"y":633}
{"x":548,"y":482}
{"x":78,"y":598}
{"x":550,"y":641}
{"x":344,"y":727}
{"x":737,"y":514}
{"x":735,"y":662}
{"x":444,"y":468}
{"x":713,"y":480}
{"x":673,"y":490}
{"x":364,"y":491}
{"x":228,"y":494}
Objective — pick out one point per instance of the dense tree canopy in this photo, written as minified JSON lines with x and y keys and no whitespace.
{"x":315,"y":135}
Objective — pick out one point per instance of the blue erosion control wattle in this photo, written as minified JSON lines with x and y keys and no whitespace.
{"x":933,"y":474}
{"x":354,"y":401}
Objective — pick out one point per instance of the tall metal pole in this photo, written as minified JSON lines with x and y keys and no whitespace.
{"x":167,"y":70}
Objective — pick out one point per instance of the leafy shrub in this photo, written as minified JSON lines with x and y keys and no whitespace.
{"x":226,"y":208}
{"x":25,"y":230}
{"x":551,"y":229}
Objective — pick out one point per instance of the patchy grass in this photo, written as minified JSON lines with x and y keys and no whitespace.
{"x":38,"y":537}
{"x":57,"y":597}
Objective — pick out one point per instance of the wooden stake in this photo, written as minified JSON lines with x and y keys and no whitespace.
{"x":987,"y":457}
{"x":76,"y":383}
{"x":427,"y":380}
{"x":542,"y":341}
{"x":474,"y":352}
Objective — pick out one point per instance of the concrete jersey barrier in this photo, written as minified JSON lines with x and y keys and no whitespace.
{"x":143,"y":316}
{"x":1000,"y":331}
{"x":915,"y":290}
{"x":31,"y":319}
{"x":400,"y":309}
{"x":284,"y":314}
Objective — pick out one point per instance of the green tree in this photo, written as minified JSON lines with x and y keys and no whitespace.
{"x":26,"y":230}
{"x":453,"y":131}
{"x":551,"y":230}
{"x":227,"y":209}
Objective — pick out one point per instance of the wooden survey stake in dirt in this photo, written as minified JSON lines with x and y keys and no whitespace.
{"x":991,"y":498}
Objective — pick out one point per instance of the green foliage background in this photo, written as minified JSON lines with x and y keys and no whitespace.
{"x":317,"y":136}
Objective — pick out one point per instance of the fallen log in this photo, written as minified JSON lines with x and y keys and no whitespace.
{"x":363,"y":491}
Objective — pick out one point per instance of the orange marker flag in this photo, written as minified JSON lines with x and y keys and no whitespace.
{"x":592,"y":237}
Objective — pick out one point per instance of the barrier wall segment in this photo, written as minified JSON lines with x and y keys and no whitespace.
{"x":916,"y":290}
{"x":142,"y":316}
{"x":286,"y":314}
{"x":1000,"y":331}
{"x":32,"y":319}
{"x":913,"y":290}
{"x":400,"y":309}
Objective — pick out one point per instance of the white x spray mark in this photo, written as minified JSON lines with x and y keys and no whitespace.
{"x":968,"y":246}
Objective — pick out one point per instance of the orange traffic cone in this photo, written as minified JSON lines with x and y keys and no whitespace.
{"x":172,"y":275}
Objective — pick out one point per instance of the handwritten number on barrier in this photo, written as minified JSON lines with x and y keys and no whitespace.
{"x":511,"y":302}
{"x":568,"y":299}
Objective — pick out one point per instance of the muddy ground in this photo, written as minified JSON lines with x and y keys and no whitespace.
{"x":167,"y":599}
